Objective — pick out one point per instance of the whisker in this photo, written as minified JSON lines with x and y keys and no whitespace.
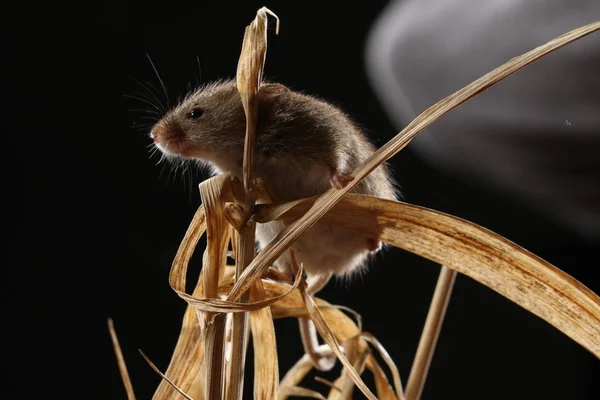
{"x":147,"y":96}
{"x":149,"y":118}
{"x":151,"y":97}
{"x":152,"y":112}
{"x":162,"y":158}
{"x":143,"y":101}
{"x":144,"y":126}
{"x":152,"y":92}
{"x":199,"y":71}
{"x":152,"y":151}
{"x":159,"y":79}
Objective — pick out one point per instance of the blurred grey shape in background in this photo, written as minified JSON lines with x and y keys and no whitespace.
{"x":534,"y":136}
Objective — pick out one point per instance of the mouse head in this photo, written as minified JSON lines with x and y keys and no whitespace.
{"x":209,"y":123}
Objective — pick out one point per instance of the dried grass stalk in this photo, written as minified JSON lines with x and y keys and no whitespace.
{"x":431,"y":332}
{"x":155,"y":368}
{"x":121,"y":361}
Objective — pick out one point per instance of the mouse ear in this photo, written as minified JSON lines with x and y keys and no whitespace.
{"x":273,"y":89}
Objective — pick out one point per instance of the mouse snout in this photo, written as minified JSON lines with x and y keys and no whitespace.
{"x":157,"y":133}
{"x":169,"y":138}
{"x":154,"y":134}
{"x":166,"y":132}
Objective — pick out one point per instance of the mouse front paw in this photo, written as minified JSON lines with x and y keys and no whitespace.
{"x":339,"y":179}
{"x":373,"y":245}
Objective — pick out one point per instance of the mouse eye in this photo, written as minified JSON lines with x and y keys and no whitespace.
{"x":195,"y":113}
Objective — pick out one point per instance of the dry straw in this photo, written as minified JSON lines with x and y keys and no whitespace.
{"x":231,"y":302}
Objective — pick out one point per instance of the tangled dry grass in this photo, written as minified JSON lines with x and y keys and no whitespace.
{"x":230,"y":302}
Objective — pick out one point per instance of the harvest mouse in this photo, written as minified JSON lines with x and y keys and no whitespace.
{"x":303,"y":147}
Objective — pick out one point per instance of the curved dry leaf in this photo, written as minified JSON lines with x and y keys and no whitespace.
{"x":388,"y":360}
{"x":248,"y":77}
{"x":293,"y":306}
{"x":186,"y":361}
{"x":382,"y":385}
{"x":297,"y":391}
{"x":325,"y":202}
{"x":188,"y":355}
{"x":266,"y":366}
{"x":490,"y":259}
{"x":301,"y":312}
{"x":214,"y":193}
{"x":224,"y":306}
{"x":177,"y":275}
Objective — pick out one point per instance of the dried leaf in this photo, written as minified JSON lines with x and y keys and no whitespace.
{"x":382,"y":385}
{"x":325,"y":202}
{"x":297,"y":391}
{"x":266,"y":370}
{"x":293,"y":306}
{"x":248,"y":78}
{"x":224,"y":306}
{"x":379,"y":375}
{"x":214,"y":192}
{"x":490,"y":259}
{"x":188,"y":355}
{"x":186,"y":361}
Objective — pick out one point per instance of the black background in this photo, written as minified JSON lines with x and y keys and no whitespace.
{"x":97,"y":223}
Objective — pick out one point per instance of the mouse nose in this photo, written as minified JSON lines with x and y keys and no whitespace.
{"x":153,"y":134}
